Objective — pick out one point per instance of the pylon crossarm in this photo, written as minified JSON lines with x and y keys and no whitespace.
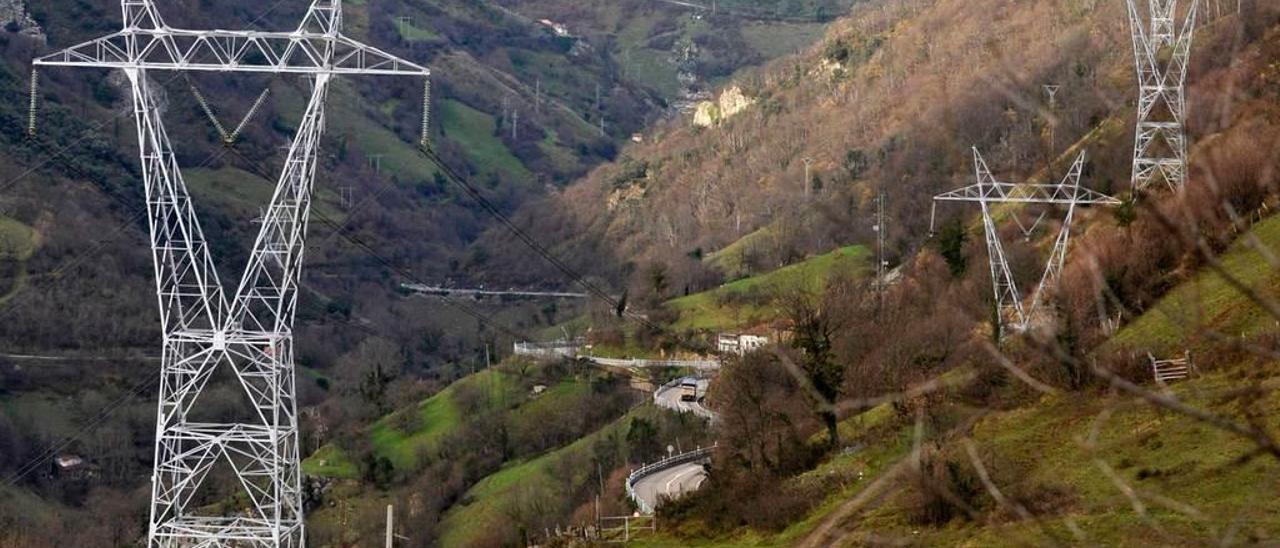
{"x":299,"y":52}
{"x":1026,"y":194}
{"x":1008,"y":299}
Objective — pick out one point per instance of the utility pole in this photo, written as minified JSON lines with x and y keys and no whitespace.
{"x":515,"y":123}
{"x":1160,"y":143}
{"x":248,"y":331}
{"x":391,"y":540}
{"x":1052,"y":90}
{"x":881,"y":276}
{"x":375,"y":162}
{"x":347,"y":197}
{"x":808,"y":162}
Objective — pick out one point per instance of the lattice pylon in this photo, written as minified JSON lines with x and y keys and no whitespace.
{"x":249,"y":334}
{"x":1160,"y":147}
{"x":988,"y":191}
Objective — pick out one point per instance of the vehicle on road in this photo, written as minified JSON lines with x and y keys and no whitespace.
{"x":689,"y":390}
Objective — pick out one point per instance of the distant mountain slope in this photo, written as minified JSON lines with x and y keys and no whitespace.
{"x":892,"y":98}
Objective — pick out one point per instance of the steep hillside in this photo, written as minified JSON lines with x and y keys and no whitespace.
{"x":891,"y":98}
{"x":1069,"y":467}
{"x":518,"y":447}
{"x":517,"y":107}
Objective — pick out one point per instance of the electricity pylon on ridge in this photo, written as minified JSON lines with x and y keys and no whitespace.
{"x":205,"y":329}
{"x":1160,"y":143}
{"x":988,"y":191}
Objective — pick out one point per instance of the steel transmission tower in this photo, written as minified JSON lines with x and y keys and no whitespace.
{"x":1160,"y":143}
{"x":989,"y":191}
{"x":248,"y":335}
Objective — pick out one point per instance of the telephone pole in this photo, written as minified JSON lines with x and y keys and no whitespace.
{"x":391,"y":538}
{"x":881,"y":264}
{"x":808,"y":162}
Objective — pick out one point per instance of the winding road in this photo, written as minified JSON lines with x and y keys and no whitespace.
{"x":668,"y":396}
{"x":672,"y":482}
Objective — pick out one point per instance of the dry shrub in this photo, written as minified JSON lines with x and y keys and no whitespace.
{"x":1127,"y":364}
{"x":945,"y":488}
{"x":730,"y":500}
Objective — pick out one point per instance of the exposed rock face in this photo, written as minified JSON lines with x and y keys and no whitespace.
{"x":732,"y":101}
{"x":629,"y":194}
{"x":14,"y":18}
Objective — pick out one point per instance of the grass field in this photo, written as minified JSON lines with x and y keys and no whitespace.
{"x":435,"y":417}
{"x":474,"y":130}
{"x":413,"y":33}
{"x":1192,"y":478}
{"x":1179,"y":320}
{"x":496,"y":494}
{"x":17,"y":243}
{"x":17,"y":240}
{"x":365,"y":137}
{"x":717,"y":309}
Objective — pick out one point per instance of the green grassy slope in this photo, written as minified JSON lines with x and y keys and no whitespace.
{"x":1208,"y":301}
{"x":490,"y":500}
{"x":1039,"y":448}
{"x":401,"y":436}
{"x":17,"y":243}
{"x":1190,"y":477}
{"x":744,"y":302}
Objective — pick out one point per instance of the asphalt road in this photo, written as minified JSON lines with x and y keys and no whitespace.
{"x":671,"y":482}
{"x":670,"y":399}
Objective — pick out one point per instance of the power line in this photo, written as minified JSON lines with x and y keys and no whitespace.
{"x":340,"y":230}
{"x":529,"y":241}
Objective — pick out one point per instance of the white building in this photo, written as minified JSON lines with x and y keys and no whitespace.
{"x":731,"y":343}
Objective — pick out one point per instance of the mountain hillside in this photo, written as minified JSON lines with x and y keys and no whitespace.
{"x":891,"y":99}
{"x":514,"y":109}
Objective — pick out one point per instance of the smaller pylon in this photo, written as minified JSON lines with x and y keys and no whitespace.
{"x":989,"y":191}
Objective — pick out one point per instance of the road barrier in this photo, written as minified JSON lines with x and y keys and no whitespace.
{"x":638,"y":362}
{"x":551,"y":349}
{"x":655,"y":467}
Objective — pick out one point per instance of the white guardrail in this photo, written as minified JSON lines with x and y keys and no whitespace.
{"x":654,"y":467}
{"x":638,"y":362}
{"x":550,"y":349}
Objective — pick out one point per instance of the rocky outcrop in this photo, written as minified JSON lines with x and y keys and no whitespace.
{"x":731,"y":102}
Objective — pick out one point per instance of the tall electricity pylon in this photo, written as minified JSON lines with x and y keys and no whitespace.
{"x":989,"y":191}
{"x":1160,"y":142}
{"x":249,"y":333}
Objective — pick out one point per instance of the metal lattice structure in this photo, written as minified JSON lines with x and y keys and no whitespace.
{"x":1160,"y":143}
{"x":989,"y":191}
{"x":248,"y":335}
